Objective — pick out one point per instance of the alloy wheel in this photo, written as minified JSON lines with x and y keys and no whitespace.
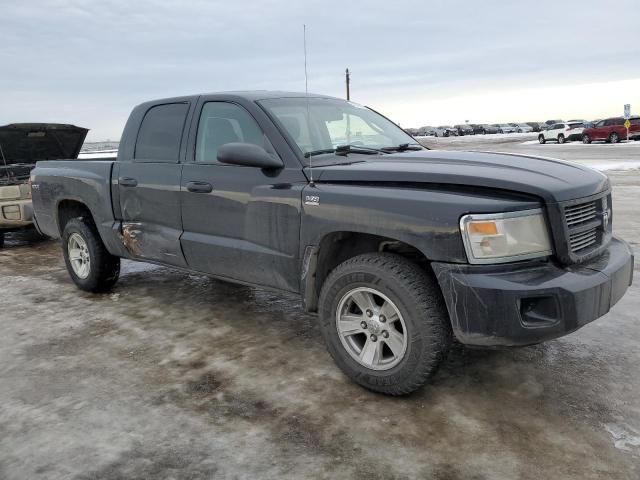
{"x":371,"y":328}
{"x":79,"y":255}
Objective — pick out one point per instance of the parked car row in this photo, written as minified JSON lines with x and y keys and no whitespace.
{"x":610,"y":130}
{"x":474,"y":129}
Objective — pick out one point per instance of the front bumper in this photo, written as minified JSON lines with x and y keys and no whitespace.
{"x":510,"y":306}
{"x":15,"y":214}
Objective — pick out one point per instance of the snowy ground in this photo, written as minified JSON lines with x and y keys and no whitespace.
{"x":601,"y":156}
{"x":178,"y":376}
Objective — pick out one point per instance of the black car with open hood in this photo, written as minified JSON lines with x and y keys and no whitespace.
{"x":21,"y":146}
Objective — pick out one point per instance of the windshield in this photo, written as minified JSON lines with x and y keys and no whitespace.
{"x":330,"y":123}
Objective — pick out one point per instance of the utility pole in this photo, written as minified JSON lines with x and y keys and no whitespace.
{"x":347,"y":77}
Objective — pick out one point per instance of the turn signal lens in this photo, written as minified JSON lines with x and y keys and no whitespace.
{"x":484,"y":228}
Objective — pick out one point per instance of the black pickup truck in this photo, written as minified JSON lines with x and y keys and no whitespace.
{"x":399,"y":248}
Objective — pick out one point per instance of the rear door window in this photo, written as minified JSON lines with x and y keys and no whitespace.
{"x":161,"y":133}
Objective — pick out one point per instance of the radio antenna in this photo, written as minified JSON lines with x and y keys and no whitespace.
{"x":4,"y":160}
{"x":306,"y":94}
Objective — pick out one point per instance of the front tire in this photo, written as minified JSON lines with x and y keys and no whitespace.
{"x":541,"y":139}
{"x":586,"y":139}
{"x":384,"y":322}
{"x":91,"y":267}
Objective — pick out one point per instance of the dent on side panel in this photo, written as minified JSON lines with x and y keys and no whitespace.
{"x":129,"y":237}
{"x":151,"y":220}
{"x":153,"y":242}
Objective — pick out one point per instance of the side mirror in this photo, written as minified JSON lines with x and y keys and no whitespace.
{"x":248,"y":155}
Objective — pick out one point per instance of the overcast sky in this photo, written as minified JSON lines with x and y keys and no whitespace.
{"x":420,"y":63}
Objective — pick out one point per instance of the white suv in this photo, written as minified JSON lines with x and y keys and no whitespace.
{"x":562,"y":132}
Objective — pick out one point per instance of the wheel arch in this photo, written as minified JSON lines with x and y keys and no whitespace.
{"x":68,"y":208}
{"x":338,"y":246}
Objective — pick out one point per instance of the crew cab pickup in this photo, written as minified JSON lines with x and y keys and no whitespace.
{"x":21,"y":146}
{"x":398,"y":248}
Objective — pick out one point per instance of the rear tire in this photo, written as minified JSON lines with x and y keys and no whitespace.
{"x":586,"y":139}
{"x":614,"y":138}
{"x":541,"y":139}
{"x":561,"y":139}
{"x":91,"y":267}
{"x":391,"y":283}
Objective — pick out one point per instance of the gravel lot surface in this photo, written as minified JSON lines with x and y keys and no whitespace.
{"x":179,"y":376}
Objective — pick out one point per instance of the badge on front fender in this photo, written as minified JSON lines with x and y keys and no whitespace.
{"x":312,"y":200}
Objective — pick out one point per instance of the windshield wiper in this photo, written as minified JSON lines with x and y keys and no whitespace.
{"x":403,"y":147}
{"x":346,"y":149}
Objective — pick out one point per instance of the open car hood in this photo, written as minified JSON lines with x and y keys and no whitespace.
{"x":27,"y":143}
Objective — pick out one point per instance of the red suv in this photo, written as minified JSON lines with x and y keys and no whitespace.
{"x":612,"y":130}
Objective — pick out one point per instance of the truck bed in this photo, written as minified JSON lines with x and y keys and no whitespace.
{"x":88,"y":181}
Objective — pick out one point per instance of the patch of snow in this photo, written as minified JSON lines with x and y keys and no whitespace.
{"x":130,"y":266}
{"x":490,"y":137}
{"x":616,"y":165}
{"x":97,"y":154}
{"x":624,"y":436}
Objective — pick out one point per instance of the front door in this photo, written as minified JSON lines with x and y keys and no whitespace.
{"x":149,"y":187}
{"x":241,"y":223}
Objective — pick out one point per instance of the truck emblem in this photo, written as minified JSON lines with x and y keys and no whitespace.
{"x":312,"y":200}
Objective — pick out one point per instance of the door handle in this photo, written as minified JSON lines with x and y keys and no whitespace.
{"x":128,"y":182}
{"x":199,"y":187}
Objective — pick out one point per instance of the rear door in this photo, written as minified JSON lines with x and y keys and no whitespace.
{"x":554,"y":131}
{"x":239,"y":222}
{"x":599,"y":131}
{"x":149,"y":186}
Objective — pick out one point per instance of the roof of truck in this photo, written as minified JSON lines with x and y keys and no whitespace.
{"x":252,"y":95}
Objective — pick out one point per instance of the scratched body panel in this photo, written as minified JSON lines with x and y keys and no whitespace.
{"x":151,"y":217}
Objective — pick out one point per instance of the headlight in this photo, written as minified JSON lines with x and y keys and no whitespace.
{"x":505,"y":237}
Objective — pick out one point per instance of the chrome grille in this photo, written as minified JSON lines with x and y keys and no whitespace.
{"x":582,"y":240}
{"x":577,"y":214}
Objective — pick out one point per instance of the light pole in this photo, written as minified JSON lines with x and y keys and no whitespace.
{"x":347,"y":78}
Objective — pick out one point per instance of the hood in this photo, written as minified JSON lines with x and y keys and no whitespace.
{"x":27,"y":143}
{"x":551,"y":180}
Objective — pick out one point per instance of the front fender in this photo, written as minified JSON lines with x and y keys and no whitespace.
{"x":424,"y":216}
